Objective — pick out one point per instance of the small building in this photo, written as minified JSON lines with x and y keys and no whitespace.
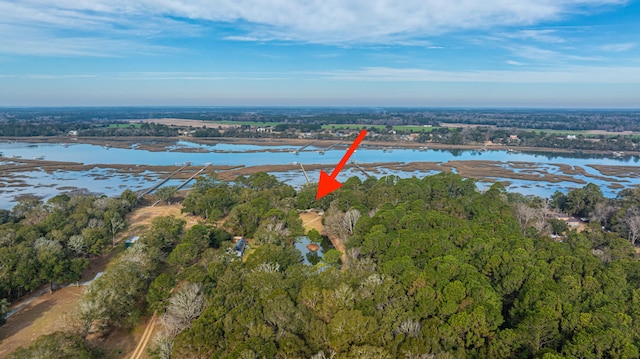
{"x":131,"y":241}
{"x":73,"y":133}
{"x":241,"y":245}
{"x":571,"y":137}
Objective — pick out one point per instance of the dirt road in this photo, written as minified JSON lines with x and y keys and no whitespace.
{"x":146,"y":337}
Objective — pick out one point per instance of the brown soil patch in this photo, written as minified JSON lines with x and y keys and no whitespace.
{"x":610,"y":133}
{"x":23,"y":165}
{"x":338,"y":244}
{"x":412,"y":166}
{"x":619,"y":171}
{"x":40,"y":317}
{"x":615,"y":186}
{"x":141,"y":218}
{"x":490,"y":170}
{"x":312,"y":220}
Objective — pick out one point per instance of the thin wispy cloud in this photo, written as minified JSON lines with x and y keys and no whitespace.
{"x":316,"y":21}
{"x":571,"y":74}
{"x":550,"y":57}
{"x":57,"y":77}
{"x":545,"y":36}
{"x":128,"y":49}
{"x":624,"y":47}
{"x":574,"y":74}
{"x":42,"y":44}
{"x":243,"y":38}
{"x":202,"y":76}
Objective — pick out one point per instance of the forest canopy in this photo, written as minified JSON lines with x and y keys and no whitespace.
{"x":432,"y":268}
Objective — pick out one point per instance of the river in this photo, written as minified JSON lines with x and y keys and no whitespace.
{"x":110,"y":181}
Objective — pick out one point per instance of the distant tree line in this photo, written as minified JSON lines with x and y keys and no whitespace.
{"x":606,"y":120}
{"x":93,"y":128}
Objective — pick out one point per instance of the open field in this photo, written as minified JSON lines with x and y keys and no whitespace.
{"x":125,"y":125}
{"x":379,"y":127}
{"x":203,"y":123}
{"x":587,"y":133}
{"x":312,"y":220}
{"x":42,"y":316}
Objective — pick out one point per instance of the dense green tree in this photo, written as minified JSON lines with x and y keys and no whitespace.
{"x":166,"y":193}
{"x":4,"y":309}
{"x":57,"y":345}
{"x":433,"y":268}
{"x":164,"y":232}
{"x":583,"y":201}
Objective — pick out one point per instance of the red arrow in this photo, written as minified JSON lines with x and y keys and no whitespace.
{"x":328,"y":184}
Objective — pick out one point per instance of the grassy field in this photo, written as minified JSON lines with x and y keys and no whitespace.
{"x":246,"y":123}
{"x":380,"y":127}
{"x":125,"y":125}
{"x":559,"y":132}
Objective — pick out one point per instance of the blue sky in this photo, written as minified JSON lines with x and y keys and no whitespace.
{"x":469,"y":53}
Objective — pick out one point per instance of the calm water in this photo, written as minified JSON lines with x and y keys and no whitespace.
{"x":309,"y":257}
{"x":110,"y":182}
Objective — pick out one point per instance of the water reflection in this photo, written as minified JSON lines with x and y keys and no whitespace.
{"x":111,"y":183}
{"x":310,"y":257}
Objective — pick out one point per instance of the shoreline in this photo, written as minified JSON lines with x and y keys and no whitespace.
{"x":481,"y":170}
{"x":159,"y":144}
{"x":20,"y":175}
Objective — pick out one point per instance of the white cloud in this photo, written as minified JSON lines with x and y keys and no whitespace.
{"x":243,"y":38}
{"x":374,"y":21}
{"x":560,"y":75}
{"x":546,"y":35}
{"x":569,"y":74}
{"x":203,"y":76}
{"x":622,"y":47}
{"x":56,"y":77}
{"x":316,"y":21}
{"x":40,"y":42}
{"x":548,"y":57}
